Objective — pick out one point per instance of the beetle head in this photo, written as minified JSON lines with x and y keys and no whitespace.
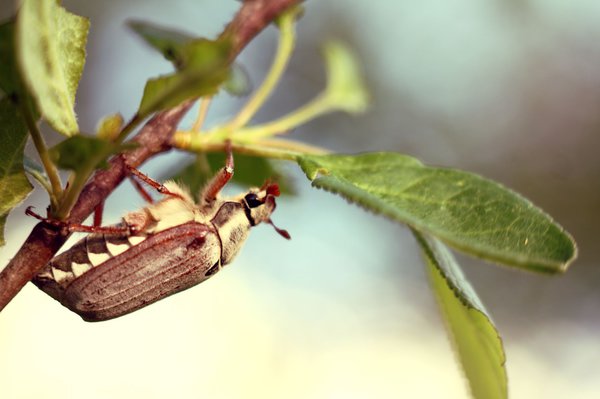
{"x":260,"y":204}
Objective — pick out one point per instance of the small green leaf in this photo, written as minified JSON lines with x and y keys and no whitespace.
{"x":345,"y":85}
{"x":238,"y":83}
{"x":14,"y":186}
{"x":171,"y":43}
{"x":36,"y":171}
{"x":466,"y":211}
{"x":206,"y":67}
{"x":475,"y":338}
{"x":82,"y":153}
{"x":50,"y":44}
{"x":249,"y":172}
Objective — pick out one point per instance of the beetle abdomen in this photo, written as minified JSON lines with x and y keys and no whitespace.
{"x":161,"y":265}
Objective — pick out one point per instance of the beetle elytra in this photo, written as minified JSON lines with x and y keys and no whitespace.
{"x":164,"y":248}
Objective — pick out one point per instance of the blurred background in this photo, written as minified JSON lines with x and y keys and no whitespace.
{"x":509,"y":89}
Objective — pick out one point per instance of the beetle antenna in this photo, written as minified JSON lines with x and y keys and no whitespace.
{"x":281,"y":232}
{"x":272,"y":189}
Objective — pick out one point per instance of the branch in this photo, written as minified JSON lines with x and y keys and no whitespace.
{"x":43,"y":242}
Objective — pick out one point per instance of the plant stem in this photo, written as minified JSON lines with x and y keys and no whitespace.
{"x":40,"y":145}
{"x":287,"y":39}
{"x":72,"y":193}
{"x":276,"y":149}
{"x":202,"y":111}
{"x":129,"y":127}
{"x":319,"y":105}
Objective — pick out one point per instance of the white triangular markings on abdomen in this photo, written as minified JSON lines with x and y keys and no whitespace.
{"x":116,"y":249}
{"x":80,"y":268}
{"x":135,"y":240}
{"x":98,"y":258}
{"x":60,"y":275}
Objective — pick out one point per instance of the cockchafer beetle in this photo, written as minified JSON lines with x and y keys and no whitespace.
{"x":164,"y":248}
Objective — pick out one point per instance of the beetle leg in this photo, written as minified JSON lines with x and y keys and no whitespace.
{"x":75,"y":227}
{"x":151,"y":182}
{"x":141,"y":190}
{"x":98,"y":211}
{"x":219,"y":181}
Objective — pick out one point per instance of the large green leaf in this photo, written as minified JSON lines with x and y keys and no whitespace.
{"x":50,"y":44}
{"x":14,"y":186}
{"x":9,"y":75}
{"x":473,"y":333}
{"x":10,"y":79}
{"x":466,"y":211}
{"x":249,"y":172}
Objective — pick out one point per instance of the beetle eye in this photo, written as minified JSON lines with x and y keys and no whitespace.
{"x":252,"y":200}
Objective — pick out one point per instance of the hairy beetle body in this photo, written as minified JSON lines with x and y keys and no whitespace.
{"x":162,"y":249}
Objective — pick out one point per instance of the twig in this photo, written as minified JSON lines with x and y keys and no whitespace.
{"x":42,"y":243}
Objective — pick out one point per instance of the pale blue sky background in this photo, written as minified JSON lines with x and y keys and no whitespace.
{"x":508,"y":89}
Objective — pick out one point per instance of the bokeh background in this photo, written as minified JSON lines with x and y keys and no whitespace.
{"x":509,"y":89}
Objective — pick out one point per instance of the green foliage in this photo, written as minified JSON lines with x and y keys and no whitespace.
{"x":14,"y":186}
{"x":202,"y":66}
{"x":466,"y":211}
{"x":238,"y":81}
{"x":345,"y":85}
{"x":35,"y":170}
{"x":81,"y":153}
{"x":171,"y":43}
{"x":50,"y":45}
{"x":473,"y":333}
{"x":10,"y":79}
{"x":249,"y":172}
{"x":9,"y":74}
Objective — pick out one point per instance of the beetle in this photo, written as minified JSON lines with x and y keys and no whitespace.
{"x":157,"y":251}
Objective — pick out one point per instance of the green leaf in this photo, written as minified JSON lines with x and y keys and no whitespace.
{"x":84,"y":153}
{"x":205,"y":68}
{"x":2,"y":224}
{"x":474,"y":336}
{"x":9,"y":75}
{"x":14,"y":186}
{"x":50,"y":44}
{"x":170,"y":42}
{"x":177,"y":47}
{"x":249,"y":172}
{"x":36,"y":171}
{"x":345,"y":85}
{"x":10,"y":78}
{"x":468,"y":212}
{"x":238,"y":82}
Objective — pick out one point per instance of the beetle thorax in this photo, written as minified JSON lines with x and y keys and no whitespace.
{"x":231,"y":218}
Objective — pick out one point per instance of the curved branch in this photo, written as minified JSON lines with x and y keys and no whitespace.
{"x":43,"y":242}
